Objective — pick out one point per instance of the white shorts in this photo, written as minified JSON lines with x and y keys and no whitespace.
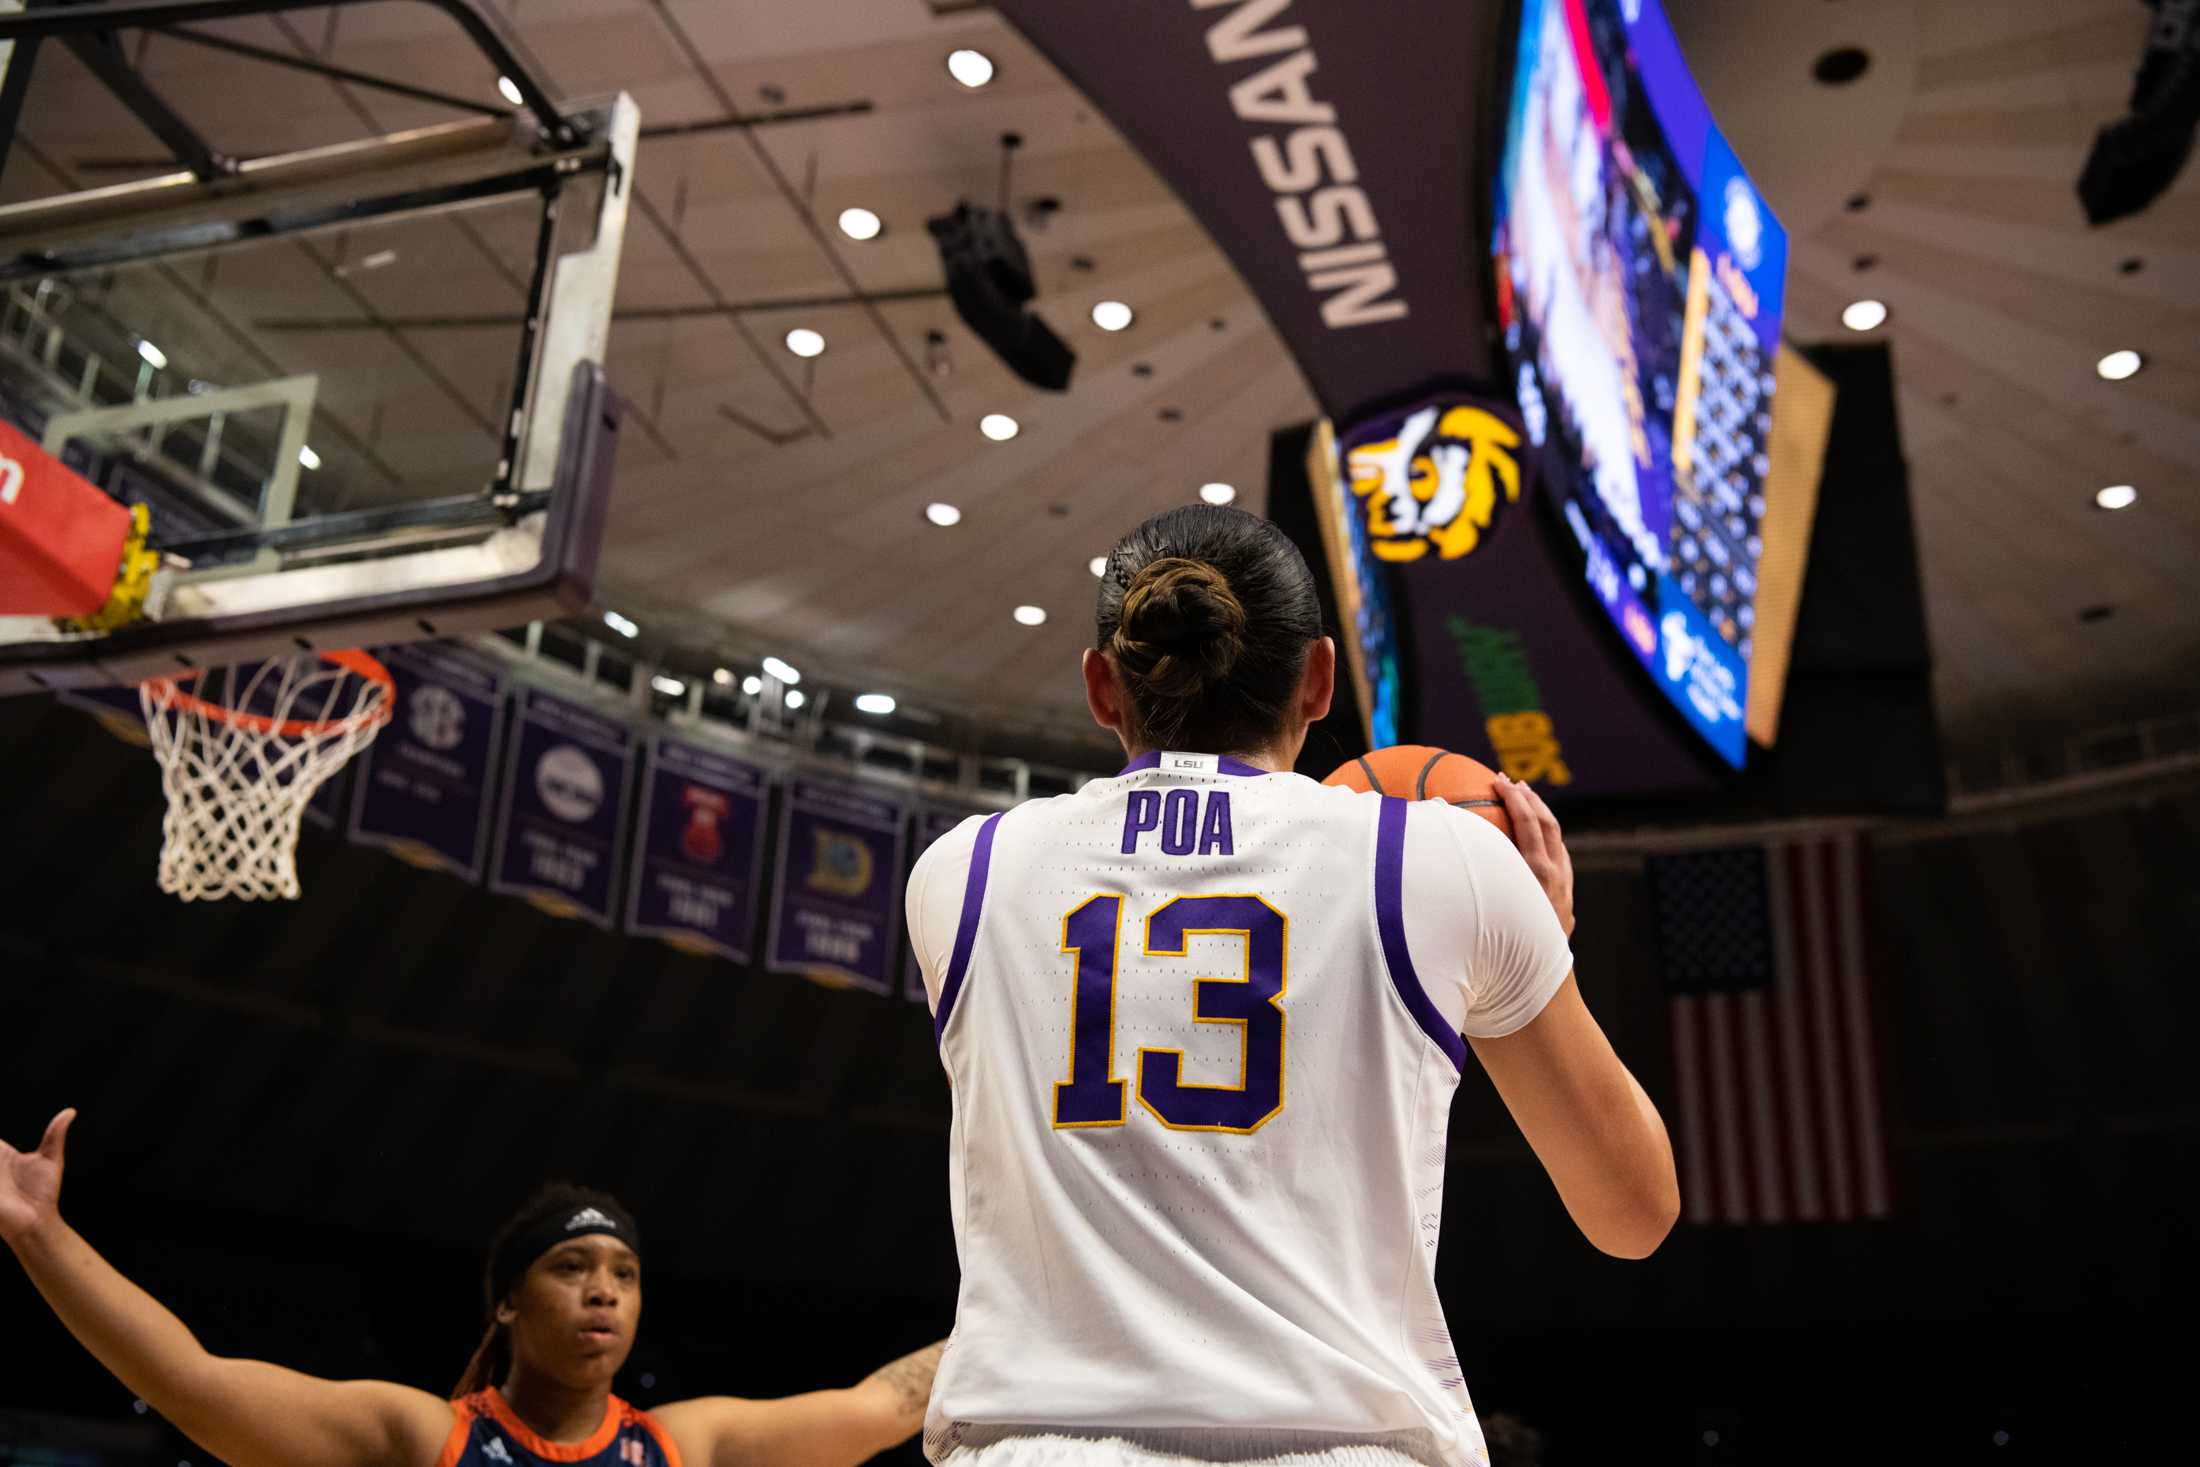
{"x":967,"y":1445}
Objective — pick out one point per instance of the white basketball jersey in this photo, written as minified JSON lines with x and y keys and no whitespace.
{"x":1202,"y":1025}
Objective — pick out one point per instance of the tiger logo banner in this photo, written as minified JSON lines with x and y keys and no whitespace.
{"x":1433,"y":479}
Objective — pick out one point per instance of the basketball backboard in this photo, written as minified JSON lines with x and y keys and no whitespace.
{"x":357,"y":385}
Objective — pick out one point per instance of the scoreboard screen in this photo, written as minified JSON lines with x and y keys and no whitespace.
{"x":1640,"y":279}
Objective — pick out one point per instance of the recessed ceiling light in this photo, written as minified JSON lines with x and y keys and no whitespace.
{"x":510,"y":90}
{"x":804,"y":342}
{"x":971,"y":68}
{"x":1112,"y":315}
{"x":2116,"y":496}
{"x":1031,"y":616}
{"x":1099,"y":565}
{"x":1864,"y":315}
{"x":671,"y":687}
{"x":152,"y":354}
{"x":622,"y":625}
{"x":879,"y":703}
{"x":999,"y":427}
{"x":722,"y":676}
{"x":943,"y":515}
{"x":860,"y":224}
{"x":1217,"y":493}
{"x":2118,"y":365}
{"x":783,"y":670}
{"x":752,"y":685}
{"x":307,"y":457}
{"x":795,"y":698}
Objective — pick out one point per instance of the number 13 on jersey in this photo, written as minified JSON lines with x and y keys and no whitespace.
{"x":1094,"y":1095}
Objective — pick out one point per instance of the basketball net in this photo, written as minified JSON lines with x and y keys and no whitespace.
{"x":241,"y":752}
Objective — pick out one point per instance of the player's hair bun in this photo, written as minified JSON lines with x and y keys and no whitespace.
{"x":1207,"y":613}
{"x":1183,"y":629}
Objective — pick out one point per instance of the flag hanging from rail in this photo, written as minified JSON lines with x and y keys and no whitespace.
{"x":1775,"y":1054}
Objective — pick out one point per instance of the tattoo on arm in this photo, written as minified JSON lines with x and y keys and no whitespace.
{"x":910,"y":1378}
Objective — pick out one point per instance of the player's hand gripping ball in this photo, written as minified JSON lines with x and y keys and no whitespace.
{"x":1417,"y":772}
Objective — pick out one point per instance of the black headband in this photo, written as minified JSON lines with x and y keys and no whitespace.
{"x":517,"y":1251}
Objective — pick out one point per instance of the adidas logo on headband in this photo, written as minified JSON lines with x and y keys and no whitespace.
{"x":589,"y":1217}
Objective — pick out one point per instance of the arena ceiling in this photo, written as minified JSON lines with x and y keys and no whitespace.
{"x":768,"y":504}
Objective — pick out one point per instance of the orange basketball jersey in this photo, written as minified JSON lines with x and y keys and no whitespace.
{"x":486,"y":1433}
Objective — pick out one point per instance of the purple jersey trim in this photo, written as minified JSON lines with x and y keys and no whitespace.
{"x":966,"y":930}
{"x":1390,"y":924}
{"x":1151,"y":759}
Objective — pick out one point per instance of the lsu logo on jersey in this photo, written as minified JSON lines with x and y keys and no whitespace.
{"x":841,"y":864}
{"x":1432,"y":479}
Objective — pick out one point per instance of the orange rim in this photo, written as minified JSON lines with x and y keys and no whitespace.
{"x":168,"y":693}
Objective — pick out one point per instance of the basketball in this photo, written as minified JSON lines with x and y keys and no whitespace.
{"x":1418,"y":772}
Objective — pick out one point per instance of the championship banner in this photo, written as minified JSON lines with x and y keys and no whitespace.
{"x":421,"y":790}
{"x":931,"y":825}
{"x":701,"y":848}
{"x":562,"y":822}
{"x":326,"y":806}
{"x":838,"y":886}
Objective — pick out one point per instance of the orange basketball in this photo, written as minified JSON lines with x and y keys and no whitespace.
{"x":1417,"y":772}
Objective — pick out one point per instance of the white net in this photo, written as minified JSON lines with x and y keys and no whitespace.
{"x":241,"y":751}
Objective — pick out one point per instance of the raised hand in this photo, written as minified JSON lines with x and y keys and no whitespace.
{"x":1536,"y":832}
{"x":30,"y":1181}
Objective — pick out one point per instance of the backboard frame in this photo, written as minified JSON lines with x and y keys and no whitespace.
{"x":537,"y":568}
{"x":522,"y":549}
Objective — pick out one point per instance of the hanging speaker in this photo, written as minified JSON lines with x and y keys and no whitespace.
{"x":989,"y":280}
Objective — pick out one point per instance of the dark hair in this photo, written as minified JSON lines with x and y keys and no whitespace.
{"x":1208,"y":612}
{"x":492,"y":1358}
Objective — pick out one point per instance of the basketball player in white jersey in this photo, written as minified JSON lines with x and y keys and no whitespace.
{"x":1203,"y":1022}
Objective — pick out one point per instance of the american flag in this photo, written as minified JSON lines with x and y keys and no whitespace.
{"x":1762,"y":951}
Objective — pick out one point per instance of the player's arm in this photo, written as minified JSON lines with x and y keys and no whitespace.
{"x":242,"y":1411}
{"x":817,"y":1429}
{"x":1588,"y":1121}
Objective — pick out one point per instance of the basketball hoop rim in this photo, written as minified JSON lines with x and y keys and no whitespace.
{"x":167,"y":693}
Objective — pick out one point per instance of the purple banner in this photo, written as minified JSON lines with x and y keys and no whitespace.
{"x":702,"y":844}
{"x":931,"y":825}
{"x":326,"y":806}
{"x":422,"y":787}
{"x":837,"y":886}
{"x":563,"y":818}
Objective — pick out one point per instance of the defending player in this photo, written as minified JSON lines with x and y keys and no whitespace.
{"x":1203,"y":1023}
{"x":564,"y":1286}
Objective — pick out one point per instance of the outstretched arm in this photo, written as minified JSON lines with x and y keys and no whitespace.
{"x":818,"y":1429}
{"x":243,"y":1411}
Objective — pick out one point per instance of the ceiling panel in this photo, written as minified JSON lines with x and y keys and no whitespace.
{"x":766,"y":502}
